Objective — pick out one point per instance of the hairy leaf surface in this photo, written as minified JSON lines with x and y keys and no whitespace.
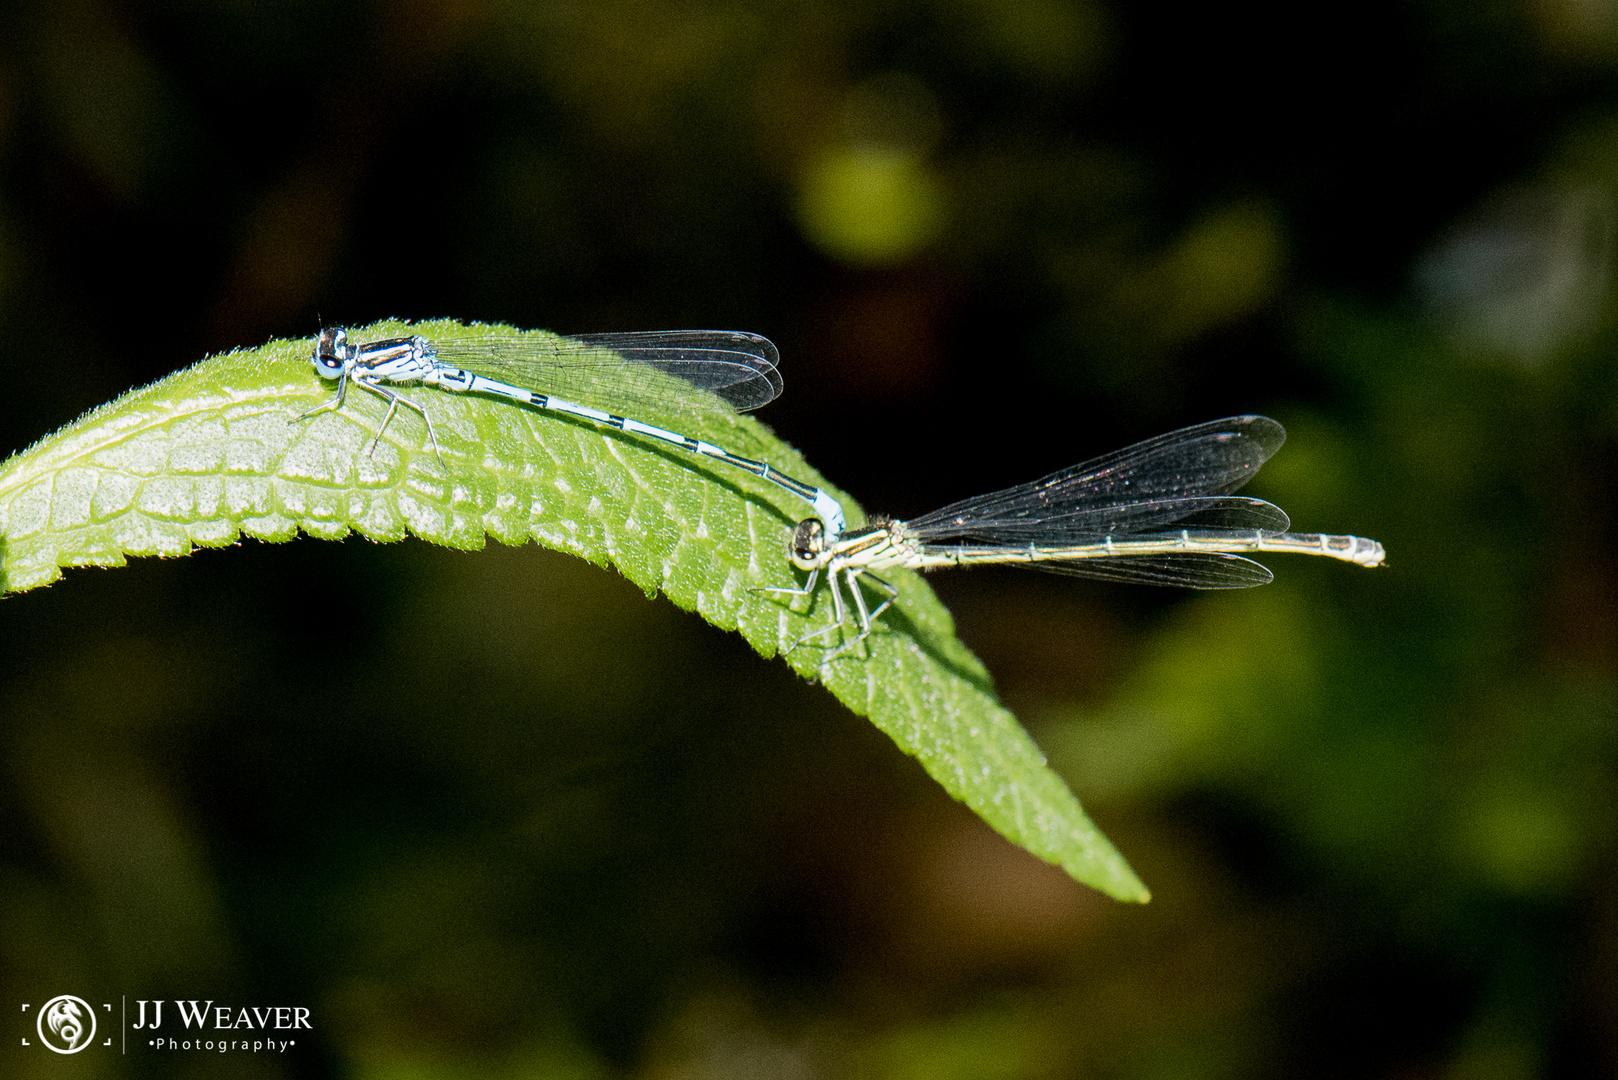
{"x":208,"y":455}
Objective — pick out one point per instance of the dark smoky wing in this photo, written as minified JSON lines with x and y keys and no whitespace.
{"x":1145,"y":486}
{"x":1181,"y":570}
{"x":1037,"y":525}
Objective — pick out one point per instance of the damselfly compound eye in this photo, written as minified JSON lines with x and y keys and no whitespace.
{"x":332,"y":351}
{"x":807,"y":544}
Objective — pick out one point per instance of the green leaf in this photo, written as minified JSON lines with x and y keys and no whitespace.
{"x":208,"y":455}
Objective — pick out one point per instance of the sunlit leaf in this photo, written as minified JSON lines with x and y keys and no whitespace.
{"x":208,"y":456}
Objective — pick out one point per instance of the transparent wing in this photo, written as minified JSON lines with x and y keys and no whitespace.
{"x":657,"y":371}
{"x":738,"y":366}
{"x":1185,"y":570}
{"x":1183,"y":478}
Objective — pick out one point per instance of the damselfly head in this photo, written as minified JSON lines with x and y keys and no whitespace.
{"x":332,"y":352}
{"x":808,"y":543}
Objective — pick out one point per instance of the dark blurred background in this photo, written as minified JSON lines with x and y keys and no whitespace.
{"x":499,"y":815}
